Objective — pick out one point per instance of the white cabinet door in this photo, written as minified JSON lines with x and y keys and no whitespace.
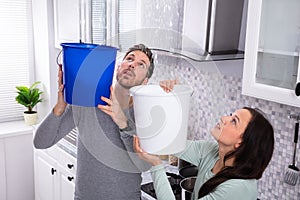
{"x":67,"y":186}
{"x":45,"y":176}
{"x":271,"y":68}
{"x":2,"y":171}
{"x":19,"y":167}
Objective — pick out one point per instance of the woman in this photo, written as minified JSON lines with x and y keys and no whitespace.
{"x":228,"y":168}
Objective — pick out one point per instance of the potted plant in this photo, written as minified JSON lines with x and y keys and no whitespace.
{"x":29,"y":97}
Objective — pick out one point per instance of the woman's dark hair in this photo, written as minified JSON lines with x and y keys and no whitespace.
{"x":251,"y":158}
{"x":145,"y":50}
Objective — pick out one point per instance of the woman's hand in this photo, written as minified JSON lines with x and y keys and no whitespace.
{"x":60,"y":105}
{"x":114,"y":110}
{"x":152,"y":159}
{"x":168,"y":85}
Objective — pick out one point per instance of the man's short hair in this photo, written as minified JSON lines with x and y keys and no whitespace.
{"x":145,"y":50}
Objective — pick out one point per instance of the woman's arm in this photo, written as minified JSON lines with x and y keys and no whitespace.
{"x":161,"y":183}
{"x":195,"y":150}
{"x":162,"y":186}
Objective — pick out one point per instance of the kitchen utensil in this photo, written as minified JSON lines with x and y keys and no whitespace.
{"x":174,"y":180}
{"x":188,"y":171}
{"x":183,"y":163}
{"x":187,"y":187}
{"x":292,"y":172}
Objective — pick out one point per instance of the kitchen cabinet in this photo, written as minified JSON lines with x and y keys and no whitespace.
{"x":213,"y":26}
{"x":54,"y":174}
{"x":16,"y":166}
{"x":45,"y":168}
{"x":271,"y":67}
{"x":2,"y":172}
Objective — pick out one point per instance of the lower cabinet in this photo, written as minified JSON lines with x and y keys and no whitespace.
{"x":45,"y":176}
{"x":54,"y":174}
{"x":67,"y":186}
{"x":2,"y":171}
{"x":16,"y":166}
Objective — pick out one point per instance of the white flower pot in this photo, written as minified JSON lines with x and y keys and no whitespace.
{"x":30,"y":118}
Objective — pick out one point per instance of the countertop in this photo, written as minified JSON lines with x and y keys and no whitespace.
{"x":14,"y":128}
{"x":67,"y":147}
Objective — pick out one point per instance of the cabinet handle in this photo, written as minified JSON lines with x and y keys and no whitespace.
{"x":70,"y":178}
{"x":53,"y":171}
{"x":70,"y":166}
{"x":297,"y":89}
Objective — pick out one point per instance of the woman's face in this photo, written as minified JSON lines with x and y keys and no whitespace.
{"x":229,"y":130}
{"x":133,"y":69}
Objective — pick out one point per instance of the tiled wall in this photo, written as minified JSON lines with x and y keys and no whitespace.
{"x":215,"y":95}
{"x":271,"y":186}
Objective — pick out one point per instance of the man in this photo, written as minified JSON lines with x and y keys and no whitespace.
{"x":107,"y":167}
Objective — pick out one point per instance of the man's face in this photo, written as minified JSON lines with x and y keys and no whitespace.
{"x":133,"y":69}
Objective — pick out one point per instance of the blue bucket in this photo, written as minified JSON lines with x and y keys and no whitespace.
{"x":88,"y":72}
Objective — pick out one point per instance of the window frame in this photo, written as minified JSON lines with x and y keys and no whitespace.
{"x":112,"y":22}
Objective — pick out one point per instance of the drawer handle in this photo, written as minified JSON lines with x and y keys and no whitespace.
{"x":70,"y":166}
{"x":297,"y":89}
{"x":53,"y":171}
{"x":70,"y":178}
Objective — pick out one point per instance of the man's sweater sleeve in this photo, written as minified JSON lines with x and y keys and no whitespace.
{"x":53,"y":128}
{"x":127,"y":138}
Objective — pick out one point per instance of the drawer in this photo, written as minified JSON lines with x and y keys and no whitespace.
{"x":63,"y":158}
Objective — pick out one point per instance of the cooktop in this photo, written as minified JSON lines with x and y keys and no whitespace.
{"x":174,"y":180}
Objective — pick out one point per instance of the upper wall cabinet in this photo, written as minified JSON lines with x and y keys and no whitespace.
{"x":214,"y":26}
{"x":271,"y":67}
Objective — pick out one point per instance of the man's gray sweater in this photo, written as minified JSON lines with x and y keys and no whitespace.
{"x":107,"y":167}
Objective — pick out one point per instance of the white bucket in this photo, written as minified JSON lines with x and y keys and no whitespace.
{"x":161,"y":118}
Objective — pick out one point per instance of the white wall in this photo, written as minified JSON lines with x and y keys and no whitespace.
{"x":45,"y":52}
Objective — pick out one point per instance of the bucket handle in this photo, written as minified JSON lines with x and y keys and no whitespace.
{"x":57,"y":57}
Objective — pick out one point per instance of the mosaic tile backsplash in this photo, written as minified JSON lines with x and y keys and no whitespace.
{"x":215,"y":95}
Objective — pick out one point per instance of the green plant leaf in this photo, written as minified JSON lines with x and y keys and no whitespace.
{"x":29,"y":97}
{"x":34,"y":85}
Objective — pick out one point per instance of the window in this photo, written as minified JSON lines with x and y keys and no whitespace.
{"x":99,"y":21}
{"x":127,"y":23}
{"x":114,"y":22}
{"x":16,"y":50}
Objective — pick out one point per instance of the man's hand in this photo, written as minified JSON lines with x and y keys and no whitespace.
{"x":114,"y":110}
{"x":60,"y":106}
{"x":152,"y":159}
